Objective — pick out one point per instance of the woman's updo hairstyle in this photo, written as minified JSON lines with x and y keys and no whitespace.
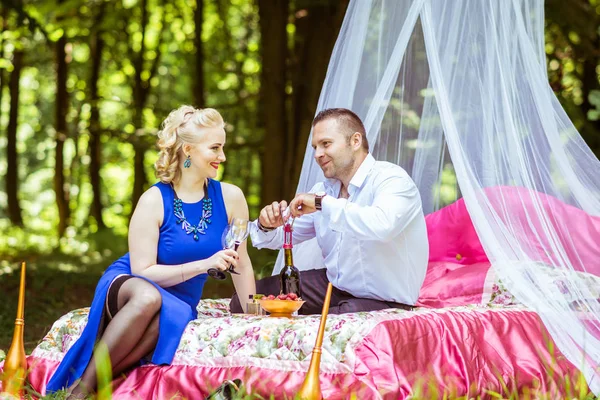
{"x":183,"y":125}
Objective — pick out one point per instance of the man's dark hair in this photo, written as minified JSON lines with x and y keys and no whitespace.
{"x":348,"y":122}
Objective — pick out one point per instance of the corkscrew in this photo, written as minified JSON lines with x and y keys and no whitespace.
{"x":286,"y":215}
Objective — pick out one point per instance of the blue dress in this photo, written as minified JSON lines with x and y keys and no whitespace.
{"x":178,"y":302}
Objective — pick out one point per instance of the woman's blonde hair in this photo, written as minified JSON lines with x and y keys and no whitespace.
{"x":179,"y":128}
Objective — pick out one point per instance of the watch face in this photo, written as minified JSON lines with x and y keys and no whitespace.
{"x":320,"y":194}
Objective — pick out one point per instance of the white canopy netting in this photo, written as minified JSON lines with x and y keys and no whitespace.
{"x":456,"y":93}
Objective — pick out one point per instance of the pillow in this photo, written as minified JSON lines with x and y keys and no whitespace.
{"x":573,"y":285}
{"x":451,"y":284}
{"x":495,"y":292}
{"x":458,"y":266}
{"x":459,"y":271}
{"x":452,"y":237}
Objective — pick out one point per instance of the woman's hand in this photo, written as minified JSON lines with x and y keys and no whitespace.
{"x":221,"y":260}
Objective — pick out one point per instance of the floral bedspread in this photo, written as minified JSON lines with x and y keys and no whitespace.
{"x":218,"y":338}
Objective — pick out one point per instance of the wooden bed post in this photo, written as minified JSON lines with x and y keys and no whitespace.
{"x":311,"y":388}
{"x":15,"y":364}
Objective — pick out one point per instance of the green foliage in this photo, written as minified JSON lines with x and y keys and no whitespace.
{"x":594,"y":99}
{"x":104,"y":372}
{"x":572,"y":37}
{"x":231,"y":45}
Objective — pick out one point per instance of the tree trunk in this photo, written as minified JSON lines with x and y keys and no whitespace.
{"x":273,"y":20}
{"x":141,"y":90}
{"x":12,"y":169}
{"x":139,"y":99}
{"x":312,"y":51}
{"x":589,"y":82}
{"x":75,"y":173}
{"x":95,"y":144}
{"x":199,"y":78}
{"x":62,"y":104}
{"x":139,"y":173}
{"x":2,"y":78}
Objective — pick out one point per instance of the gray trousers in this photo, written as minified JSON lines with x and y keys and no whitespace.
{"x":314,"y":287}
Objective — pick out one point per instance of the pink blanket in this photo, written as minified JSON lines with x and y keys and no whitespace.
{"x":461,"y":350}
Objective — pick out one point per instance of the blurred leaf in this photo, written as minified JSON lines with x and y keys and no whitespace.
{"x":56,"y":34}
{"x":104,"y":372}
{"x":594,"y":98}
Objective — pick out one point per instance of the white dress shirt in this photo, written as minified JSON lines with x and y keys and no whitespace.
{"x":374,"y":243}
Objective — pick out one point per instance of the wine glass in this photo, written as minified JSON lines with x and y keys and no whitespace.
{"x":233,"y":235}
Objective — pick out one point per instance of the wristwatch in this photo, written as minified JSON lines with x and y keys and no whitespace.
{"x":318,"y":197}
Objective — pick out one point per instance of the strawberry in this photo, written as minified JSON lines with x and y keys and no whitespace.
{"x":271,"y":297}
{"x":292,"y":296}
{"x":282,"y":296}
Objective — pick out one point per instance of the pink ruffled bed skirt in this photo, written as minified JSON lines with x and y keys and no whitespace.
{"x":196,"y":382}
{"x":461,"y":351}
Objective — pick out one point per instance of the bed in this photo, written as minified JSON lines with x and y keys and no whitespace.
{"x":468,"y":336}
{"x":383,"y":354}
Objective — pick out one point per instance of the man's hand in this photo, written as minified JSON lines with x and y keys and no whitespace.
{"x":303,"y":204}
{"x":272,"y":215}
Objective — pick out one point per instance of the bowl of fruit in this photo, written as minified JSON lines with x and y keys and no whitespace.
{"x":282,"y":305}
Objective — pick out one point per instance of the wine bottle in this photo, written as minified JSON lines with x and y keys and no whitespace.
{"x":289,"y":275}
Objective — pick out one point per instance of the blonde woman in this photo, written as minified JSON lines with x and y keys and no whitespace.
{"x":145,"y":299}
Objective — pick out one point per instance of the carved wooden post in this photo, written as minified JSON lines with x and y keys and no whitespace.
{"x":15,"y":364}
{"x":311,"y":388}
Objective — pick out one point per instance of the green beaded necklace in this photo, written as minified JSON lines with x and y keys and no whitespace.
{"x":204,"y":220}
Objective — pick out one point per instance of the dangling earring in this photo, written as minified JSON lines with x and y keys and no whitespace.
{"x":187,"y":162}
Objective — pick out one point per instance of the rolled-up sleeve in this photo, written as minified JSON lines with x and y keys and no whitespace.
{"x":304,"y":229}
{"x":265,"y":240}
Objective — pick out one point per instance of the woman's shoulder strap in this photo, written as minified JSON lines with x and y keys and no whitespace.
{"x":166,"y":191}
{"x":165,"y":188}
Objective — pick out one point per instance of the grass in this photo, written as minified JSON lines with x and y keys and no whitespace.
{"x":50,"y":293}
{"x":422,"y":389}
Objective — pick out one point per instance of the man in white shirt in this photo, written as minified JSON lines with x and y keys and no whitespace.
{"x":367,"y":218}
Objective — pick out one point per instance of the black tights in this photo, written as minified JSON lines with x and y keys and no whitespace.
{"x":130,"y":335}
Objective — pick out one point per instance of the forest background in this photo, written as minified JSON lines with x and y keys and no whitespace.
{"x":85,"y":84}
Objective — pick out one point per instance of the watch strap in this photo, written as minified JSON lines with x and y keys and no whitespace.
{"x":263,"y":228}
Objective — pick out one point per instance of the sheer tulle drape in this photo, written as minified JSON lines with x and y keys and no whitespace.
{"x":456,"y":92}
